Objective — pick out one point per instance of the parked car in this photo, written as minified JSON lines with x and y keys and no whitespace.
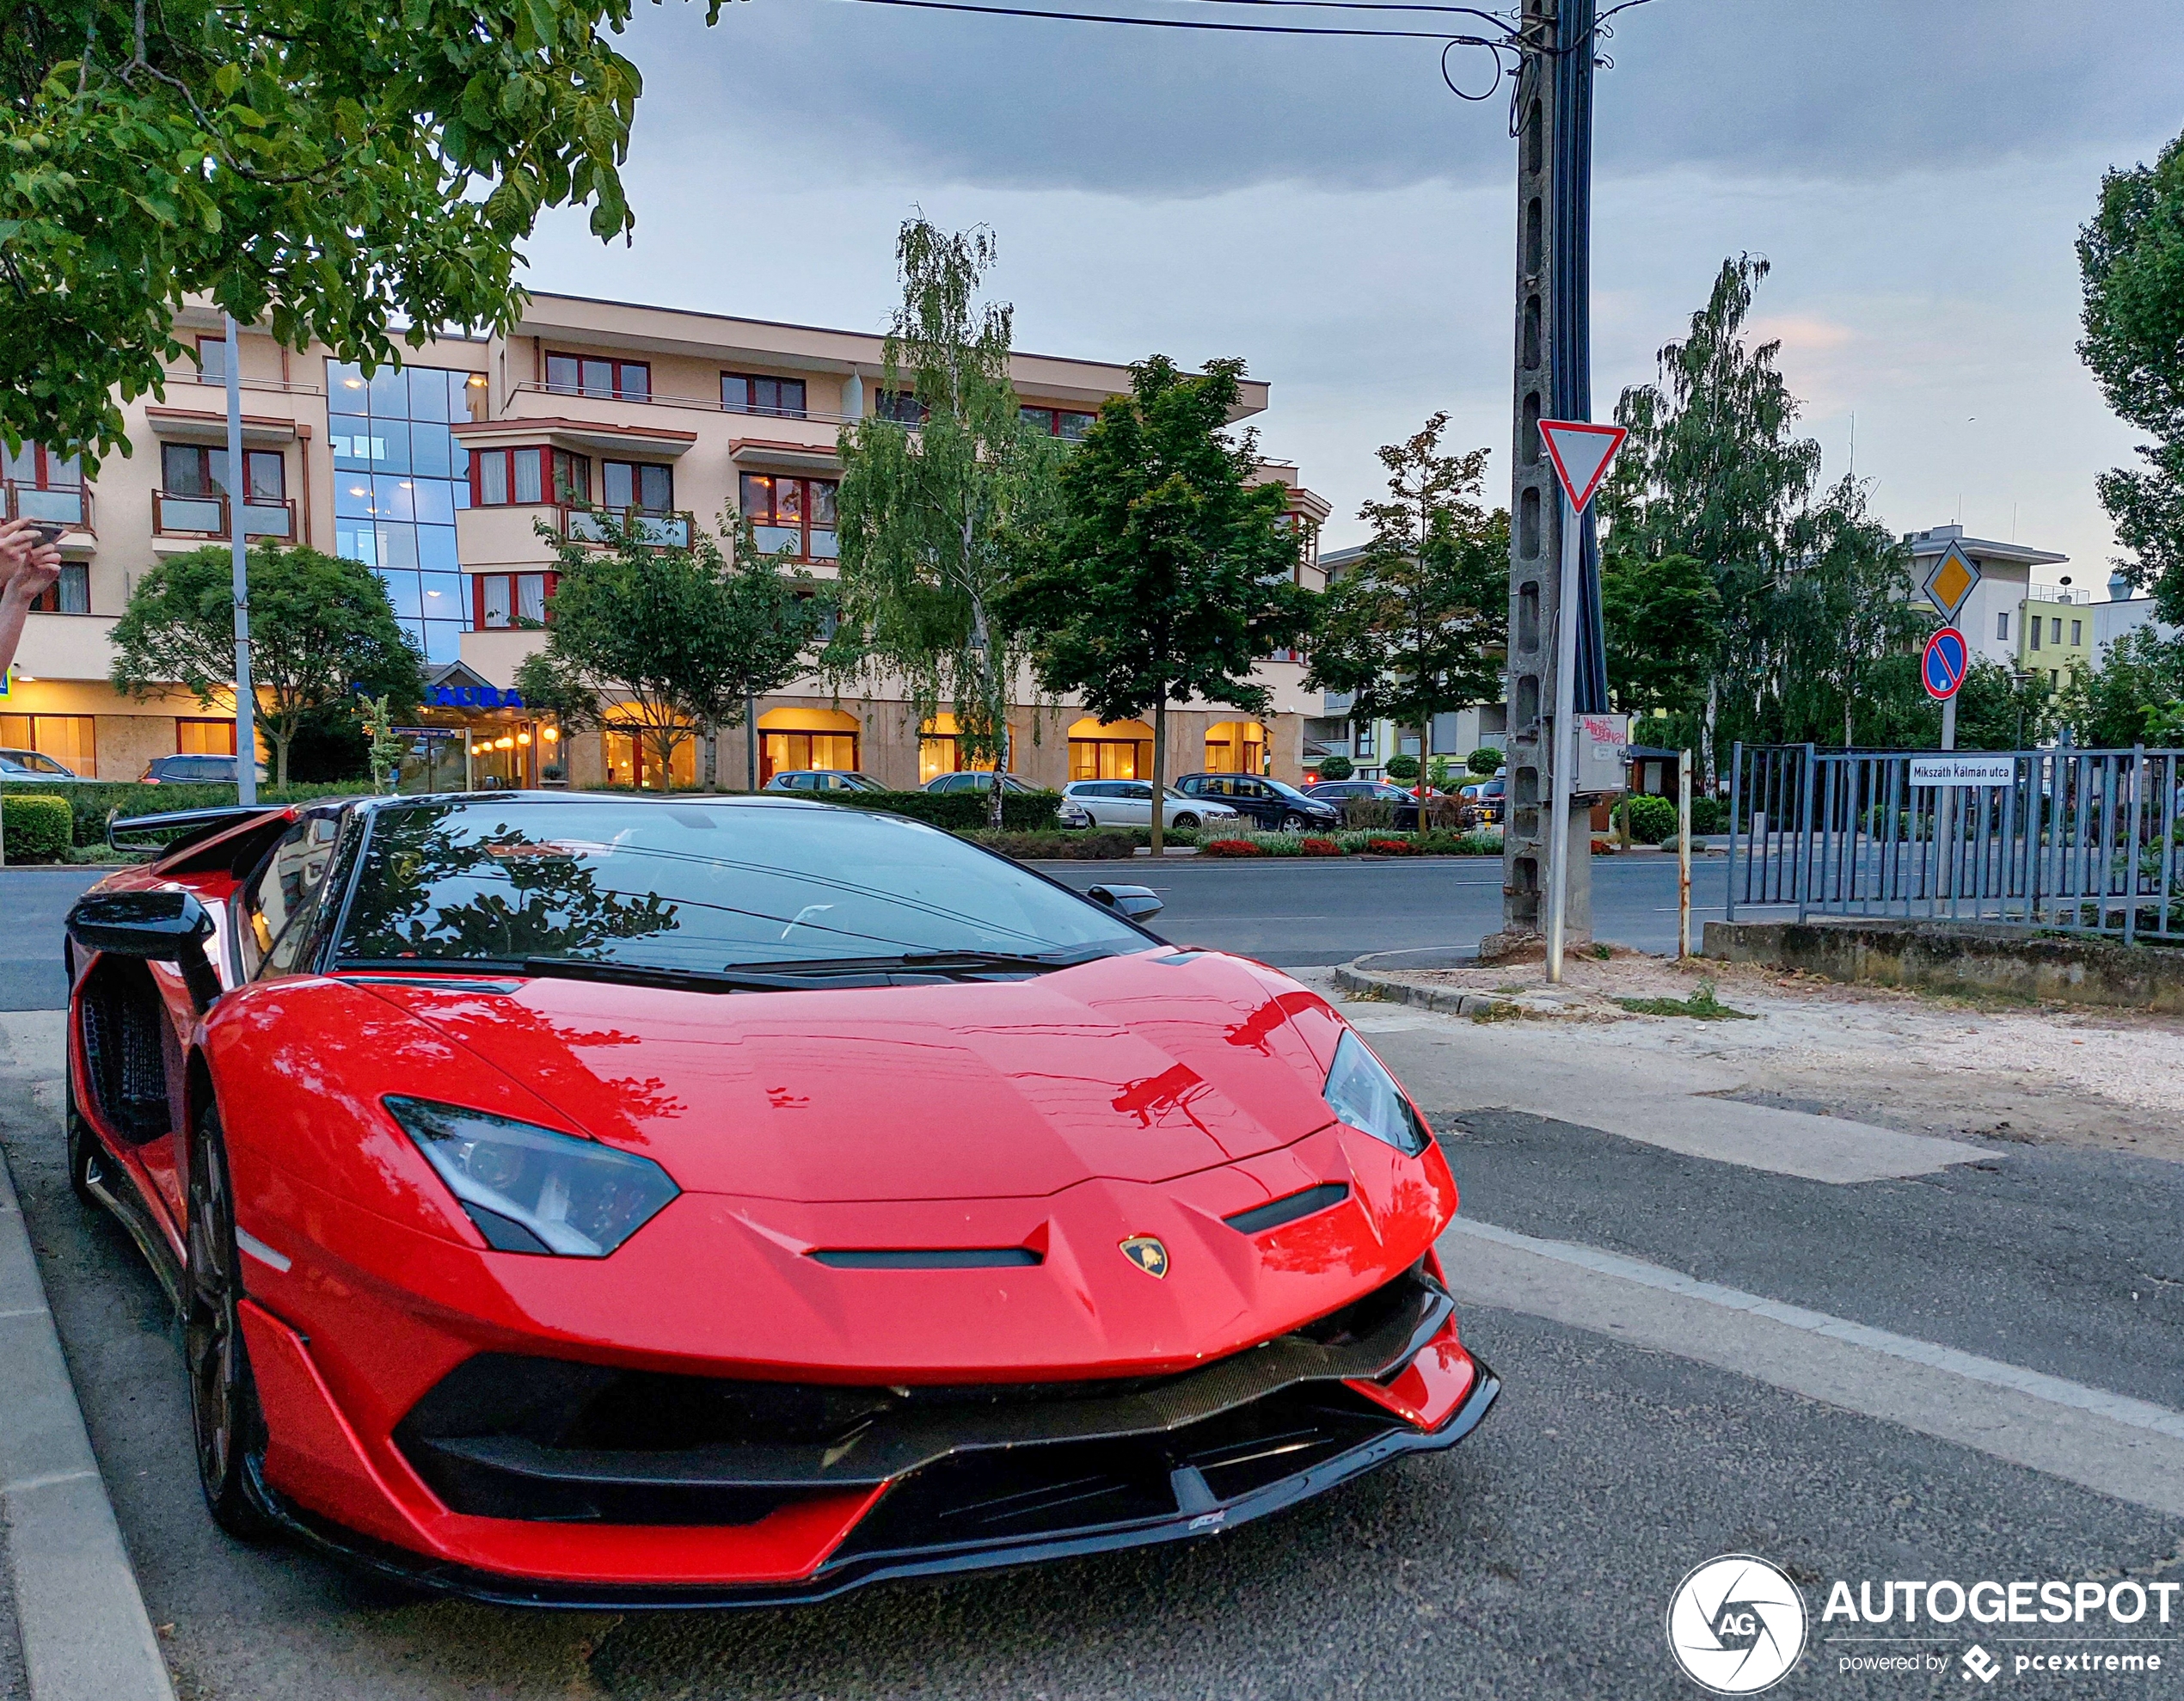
{"x":1486,"y":803}
{"x":963,"y":780}
{"x":1341,"y":793}
{"x":475,"y":1289}
{"x":193,"y":771}
{"x":822,"y":779}
{"x":18,"y":766}
{"x":1270,"y":803}
{"x":1129,"y":803}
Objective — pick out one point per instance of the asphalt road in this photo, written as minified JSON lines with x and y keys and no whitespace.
{"x":1297,"y":914}
{"x":1534,"y":1561}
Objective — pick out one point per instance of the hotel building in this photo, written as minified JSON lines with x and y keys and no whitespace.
{"x":437,"y":474}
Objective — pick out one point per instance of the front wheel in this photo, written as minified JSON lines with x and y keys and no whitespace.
{"x":1184,"y":823}
{"x":225,"y":1419}
{"x":1293,"y":822}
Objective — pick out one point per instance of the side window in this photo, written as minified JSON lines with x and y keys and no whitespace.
{"x":1191,"y":787}
{"x":1140,"y":793}
{"x":282,"y":889}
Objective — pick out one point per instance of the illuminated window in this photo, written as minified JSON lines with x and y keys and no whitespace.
{"x":796,"y":514}
{"x":204,"y":737}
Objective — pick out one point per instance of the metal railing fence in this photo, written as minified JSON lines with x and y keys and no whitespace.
{"x":2064,"y":839}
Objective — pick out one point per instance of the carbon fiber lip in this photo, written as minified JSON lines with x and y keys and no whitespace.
{"x":395,"y":1564}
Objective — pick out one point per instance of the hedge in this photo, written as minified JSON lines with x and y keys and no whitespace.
{"x":960,"y":811}
{"x":90,"y":800}
{"x":34,"y":827}
{"x":1057,"y":846}
{"x":1653,"y":819}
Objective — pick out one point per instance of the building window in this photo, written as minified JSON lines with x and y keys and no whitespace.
{"x":521,"y":478}
{"x":591,"y":375}
{"x":633,"y":760}
{"x":70,"y":740}
{"x":901,"y":406}
{"x":2032,"y":628}
{"x":204,"y":737}
{"x":190,"y":470}
{"x":508,"y":600}
{"x":69,"y":594}
{"x":1058,"y":422}
{"x":212,"y":359}
{"x":796,"y":514}
{"x":633,"y":484}
{"x":2077,"y":633}
{"x":2002,"y":627}
{"x":2055,"y":632}
{"x":749,"y":393}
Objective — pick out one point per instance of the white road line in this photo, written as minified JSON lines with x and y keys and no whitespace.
{"x":2130,"y":1449}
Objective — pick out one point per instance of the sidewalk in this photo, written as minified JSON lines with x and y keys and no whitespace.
{"x":72,"y":1624}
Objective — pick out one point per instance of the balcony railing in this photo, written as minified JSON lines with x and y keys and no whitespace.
{"x":177,"y":515}
{"x":592,"y":525}
{"x":825,"y":544}
{"x":70,"y":505}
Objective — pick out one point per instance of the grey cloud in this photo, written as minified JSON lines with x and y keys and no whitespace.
{"x":1842,"y":90}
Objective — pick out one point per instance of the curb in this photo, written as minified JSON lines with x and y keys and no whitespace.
{"x":1379,"y":988}
{"x":81,"y":1619}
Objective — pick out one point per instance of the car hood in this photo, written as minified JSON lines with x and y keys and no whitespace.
{"x":1138,"y":1068}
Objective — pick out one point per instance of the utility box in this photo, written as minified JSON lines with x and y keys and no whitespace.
{"x":1602,"y":768}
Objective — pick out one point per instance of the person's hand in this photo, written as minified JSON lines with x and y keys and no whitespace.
{"x":28,"y":568}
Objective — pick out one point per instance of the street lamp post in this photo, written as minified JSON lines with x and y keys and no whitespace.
{"x":246,"y":702}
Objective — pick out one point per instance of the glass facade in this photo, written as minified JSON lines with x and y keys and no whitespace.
{"x":398,"y":478}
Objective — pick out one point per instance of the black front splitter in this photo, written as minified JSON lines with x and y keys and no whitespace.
{"x":400,"y":1565}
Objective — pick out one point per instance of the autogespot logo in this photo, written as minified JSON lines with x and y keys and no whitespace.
{"x":1736,"y":1625}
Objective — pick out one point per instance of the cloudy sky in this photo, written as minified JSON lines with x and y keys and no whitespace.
{"x":1915,"y":171}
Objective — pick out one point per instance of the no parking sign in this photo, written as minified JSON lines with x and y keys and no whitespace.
{"x":1942,"y":669}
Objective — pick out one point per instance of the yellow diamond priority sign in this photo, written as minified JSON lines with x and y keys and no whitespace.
{"x":1950,"y":580}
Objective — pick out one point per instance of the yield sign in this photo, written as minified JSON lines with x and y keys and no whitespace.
{"x":1580,"y":452}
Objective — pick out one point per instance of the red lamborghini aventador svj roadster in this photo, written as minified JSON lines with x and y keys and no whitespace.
{"x":606,"y":1201}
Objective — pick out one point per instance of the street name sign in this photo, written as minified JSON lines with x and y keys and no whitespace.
{"x":1939,"y":770}
{"x":1942,"y":669}
{"x":1950,"y":580}
{"x":1581,"y":451}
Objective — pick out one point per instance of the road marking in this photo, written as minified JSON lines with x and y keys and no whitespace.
{"x":2130,"y":1449}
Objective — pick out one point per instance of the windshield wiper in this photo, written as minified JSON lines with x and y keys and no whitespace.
{"x":791,"y":976}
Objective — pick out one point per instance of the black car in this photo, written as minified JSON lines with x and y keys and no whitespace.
{"x":193,"y":769}
{"x":1485,"y":805}
{"x":1341,"y":793}
{"x":1270,"y":803}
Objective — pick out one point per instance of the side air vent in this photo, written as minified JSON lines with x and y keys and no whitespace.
{"x":931,"y":1258}
{"x":1273,"y":1214}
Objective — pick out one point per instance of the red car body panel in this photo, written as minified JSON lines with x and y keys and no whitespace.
{"x":1154,"y":1093}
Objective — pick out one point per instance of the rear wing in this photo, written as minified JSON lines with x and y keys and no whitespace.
{"x":178,"y":829}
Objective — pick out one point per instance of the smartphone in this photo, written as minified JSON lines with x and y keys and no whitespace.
{"x":48,"y":531}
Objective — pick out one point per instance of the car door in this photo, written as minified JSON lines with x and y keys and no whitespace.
{"x":1256,"y":801}
{"x":1133,"y":803}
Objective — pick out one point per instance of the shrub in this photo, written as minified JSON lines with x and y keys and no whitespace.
{"x":1230,"y":847}
{"x":1055,"y":846}
{"x":34,"y":828}
{"x":1335,"y":768}
{"x":961,"y":811}
{"x":1177,"y":835}
{"x":1402,"y":768}
{"x":1653,"y":819}
{"x":1365,"y":814}
{"x":1391,"y":847}
{"x":1318,"y":847}
{"x":1484,"y":761}
{"x":90,"y":801}
{"x":1279,"y":844}
{"x":1709,"y":814}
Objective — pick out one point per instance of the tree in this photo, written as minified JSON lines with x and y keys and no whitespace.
{"x":1336,"y":767}
{"x":937,"y":524}
{"x":2131,"y":258}
{"x":321,"y":631}
{"x":1169,"y":574}
{"x":1711,"y":471}
{"x":1485,"y":763}
{"x":1419,"y":626}
{"x":1839,"y":619}
{"x":1664,"y":623}
{"x":771,"y":618}
{"x":2127,"y":699}
{"x":1995,"y":710}
{"x":661,"y":630}
{"x":349,"y":167}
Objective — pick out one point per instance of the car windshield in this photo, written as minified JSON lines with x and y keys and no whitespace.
{"x":696,"y":887}
{"x":30,"y":762}
{"x":1287,"y":790}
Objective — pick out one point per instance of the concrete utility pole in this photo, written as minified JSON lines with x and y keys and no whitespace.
{"x":1553,"y":123}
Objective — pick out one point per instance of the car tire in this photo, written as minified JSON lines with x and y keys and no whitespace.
{"x":226,"y":1425}
{"x":83,"y":1154}
{"x":1293,"y":822}
{"x":1188,"y":823}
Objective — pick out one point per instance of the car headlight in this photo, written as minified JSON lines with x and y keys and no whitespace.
{"x":530,"y":1189}
{"x":1360,"y":1090}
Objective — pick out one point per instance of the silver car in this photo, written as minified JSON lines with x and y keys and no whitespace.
{"x":18,"y":766}
{"x":1129,"y":803}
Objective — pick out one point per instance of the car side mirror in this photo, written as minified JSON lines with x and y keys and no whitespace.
{"x":155,"y":926}
{"x":1136,"y":902}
